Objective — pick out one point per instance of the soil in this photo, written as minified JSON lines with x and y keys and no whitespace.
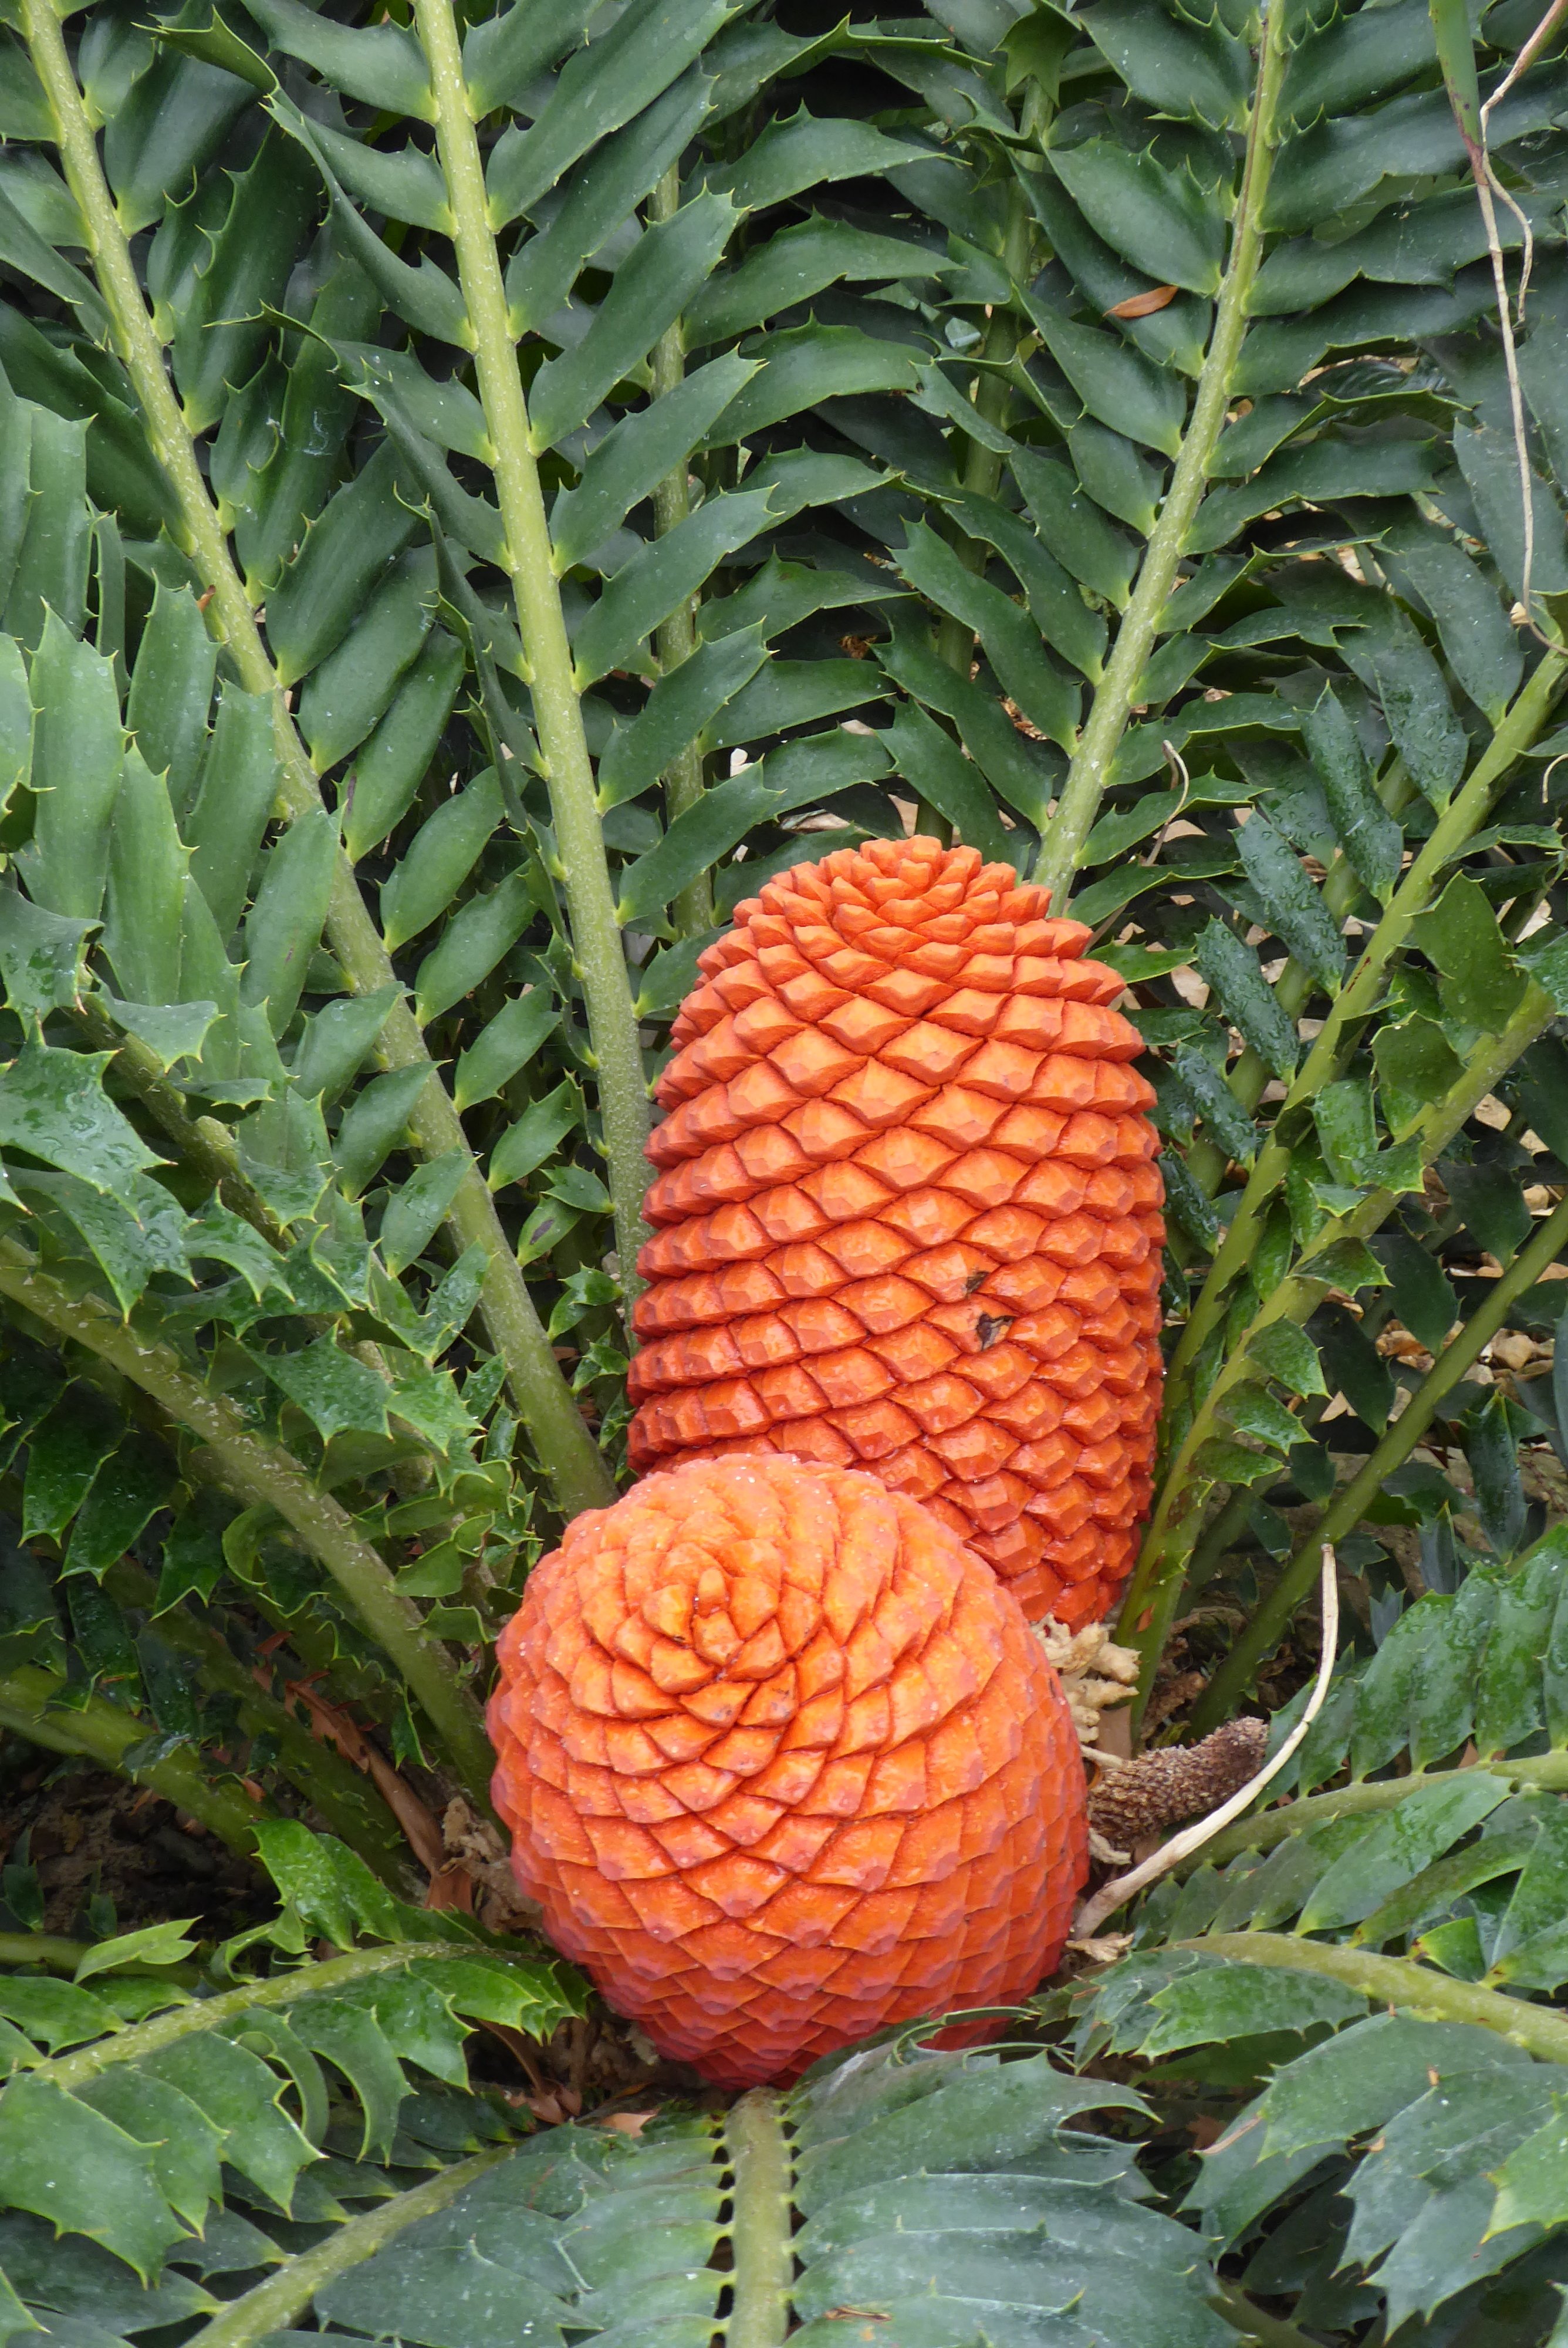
{"x":92,"y":1837}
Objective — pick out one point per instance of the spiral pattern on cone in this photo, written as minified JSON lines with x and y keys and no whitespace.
{"x":783,"y":1764}
{"x":909,"y":1219}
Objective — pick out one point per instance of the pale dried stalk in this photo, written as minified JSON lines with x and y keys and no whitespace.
{"x":1487,"y":185}
{"x":1527,"y":55}
{"x":1486,"y":180}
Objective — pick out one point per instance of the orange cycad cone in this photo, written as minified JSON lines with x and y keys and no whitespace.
{"x":910,"y":1217}
{"x":783,"y":1763}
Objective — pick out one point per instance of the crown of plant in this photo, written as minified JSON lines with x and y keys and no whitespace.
{"x":909,"y":1220}
{"x":783,"y":1764}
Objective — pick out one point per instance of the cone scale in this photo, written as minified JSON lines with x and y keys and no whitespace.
{"x":783,"y":1764}
{"x":907,"y":1219}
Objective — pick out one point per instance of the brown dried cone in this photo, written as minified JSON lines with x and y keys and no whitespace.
{"x":1131,"y":1800}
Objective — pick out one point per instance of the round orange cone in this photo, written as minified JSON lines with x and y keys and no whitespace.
{"x":783,"y":1764}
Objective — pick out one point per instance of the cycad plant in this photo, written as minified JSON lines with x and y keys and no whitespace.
{"x":477,"y":493}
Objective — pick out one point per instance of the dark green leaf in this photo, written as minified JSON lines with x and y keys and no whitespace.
{"x":335,"y":1391}
{"x":63,"y":1458}
{"x":1415,"y":703}
{"x":803,"y":366}
{"x":451,"y":2295}
{"x":15,"y":722}
{"x":503,"y":53}
{"x":1532,"y":2183}
{"x":798,"y":151}
{"x":381,"y":64}
{"x":192,"y":1559}
{"x":1157,"y":220}
{"x":24,"y":108}
{"x":40,"y":955}
{"x":50,"y":574}
{"x":1117,"y":478}
{"x":1232,"y":969}
{"x":184,"y":2142}
{"x":355,"y":684}
{"x":337,"y":1040}
{"x":1398,"y":1847}
{"x":317,"y":408}
{"x":1417,"y":1065}
{"x":1219,"y":2002}
{"x":1492,"y":1451}
{"x":531,"y":1140}
{"x":145,"y":912}
{"x":1419,"y":1688}
{"x":1480,"y":982}
{"x":129,"y":1487}
{"x":600,"y":88}
{"x":933,"y":763}
{"x":1530,"y":1951}
{"x":506,"y":1044}
{"x":285,"y":922}
{"x":1173,"y":336}
{"x":802,"y":774}
{"x":375,"y":1123}
{"x":1219,"y":1106}
{"x":638,"y":452}
{"x":1058,"y":610}
{"x":349,"y":2037}
{"x":1368,"y":835}
{"x":439,"y":859}
{"x":1478,"y":642}
{"x":76,"y":753}
{"x":240,"y":2094}
{"x":1077,"y":533}
{"x":1021,"y":773}
{"x":1319,"y":472}
{"x":676,"y":712}
{"x":652,"y":288}
{"x":1423,"y":1294}
{"x":1253,"y":1410}
{"x":92,"y":2179}
{"x":1348,"y":1128}
{"x":173,"y":691}
{"x":216,"y":320}
{"x":392,"y":763}
{"x":1491,"y":468}
{"x":1354,"y":1367}
{"x":361,"y":529}
{"x":471,"y":945}
{"x":403,"y":184}
{"x":1354,"y":58}
{"x":786,"y":695}
{"x":979,"y":2120}
{"x":53,"y":1105}
{"x":1115,"y":383}
{"x":172,"y":120}
{"x":419,"y":1207}
{"x":603,"y":190}
{"x":1174,"y":65}
{"x":1010,"y":643}
{"x":1287,"y":1353}
{"x":1507,"y":1700}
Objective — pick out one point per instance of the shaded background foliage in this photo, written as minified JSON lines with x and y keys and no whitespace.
{"x":1093,"y":434}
